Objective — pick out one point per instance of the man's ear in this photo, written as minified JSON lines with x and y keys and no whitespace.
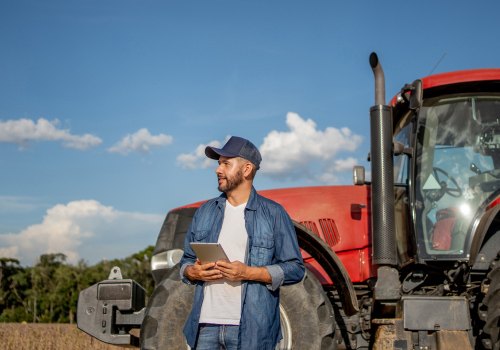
{"x":247,"y":169}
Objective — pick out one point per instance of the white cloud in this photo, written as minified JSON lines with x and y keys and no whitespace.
{"x":10,"y":252}
{"x":140,"y":142}
{"x":338,"y":166}
{"x":197,"y":158}
{"x":291,"y":153}
{"x":343,"y":165}
{"x":23,"y":131}
{"x":65,"y":228}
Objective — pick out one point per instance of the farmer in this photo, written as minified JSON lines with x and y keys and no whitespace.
{"x":236,"y":303}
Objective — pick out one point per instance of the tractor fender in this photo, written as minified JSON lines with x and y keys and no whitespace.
{"x":331,"y":263}
{"x":484,"y":233}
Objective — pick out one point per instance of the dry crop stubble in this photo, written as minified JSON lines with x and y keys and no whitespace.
{"x":48,"y":336}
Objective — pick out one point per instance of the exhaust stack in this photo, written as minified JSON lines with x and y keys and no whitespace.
{"x":383,"y":226}
{"x":378,"y":72}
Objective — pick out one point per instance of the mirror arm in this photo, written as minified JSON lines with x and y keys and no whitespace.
{"x":408,"y":151}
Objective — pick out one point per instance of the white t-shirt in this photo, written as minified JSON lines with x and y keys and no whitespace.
{"x":222,"y":298}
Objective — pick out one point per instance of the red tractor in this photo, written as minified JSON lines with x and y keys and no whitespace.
{"x":407,"y":261}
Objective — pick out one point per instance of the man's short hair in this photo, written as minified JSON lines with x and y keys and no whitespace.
{"x":242,"y":161}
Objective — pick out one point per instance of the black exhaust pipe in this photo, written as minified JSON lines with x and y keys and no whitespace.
{"x":383,"y":226}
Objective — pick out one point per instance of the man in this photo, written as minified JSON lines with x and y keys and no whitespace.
{"x":236,"y":303}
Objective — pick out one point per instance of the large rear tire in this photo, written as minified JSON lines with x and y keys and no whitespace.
{"x":489,"y":309}
{"x":307,"y":315}
{"x":167,"y":312}
{"x":307,"y":318}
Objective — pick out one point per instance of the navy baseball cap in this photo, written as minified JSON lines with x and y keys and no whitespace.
{"x":236,"y":147}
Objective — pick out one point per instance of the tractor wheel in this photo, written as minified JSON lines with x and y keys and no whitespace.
{"x":306,"y":314}
{"x":307,"y":318}
{"x":167,"y":312}
{"x":489,"y":309}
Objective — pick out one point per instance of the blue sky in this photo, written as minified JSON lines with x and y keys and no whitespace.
{"x":106,"y":106}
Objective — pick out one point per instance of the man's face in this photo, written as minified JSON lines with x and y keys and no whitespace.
{"x":229,"y":174}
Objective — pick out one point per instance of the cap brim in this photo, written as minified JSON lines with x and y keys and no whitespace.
{"x":215,"y":153}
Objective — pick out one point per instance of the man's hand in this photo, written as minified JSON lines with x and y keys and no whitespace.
{"x":203,"y":272}
{"x":235,"y":271}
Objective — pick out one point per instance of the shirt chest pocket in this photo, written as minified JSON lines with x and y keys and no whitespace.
{"x":262,"y":251}
{"x":201,"y":235}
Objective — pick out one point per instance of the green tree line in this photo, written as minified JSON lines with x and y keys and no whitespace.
{"x":48,"y":292}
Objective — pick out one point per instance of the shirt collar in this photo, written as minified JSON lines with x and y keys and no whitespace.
{"x":251,"y":204}
{"x":252,"y":200}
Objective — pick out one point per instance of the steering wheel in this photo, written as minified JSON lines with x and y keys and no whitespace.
{"x":454,"y":192}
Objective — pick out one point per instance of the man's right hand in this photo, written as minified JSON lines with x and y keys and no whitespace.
{"x":203,"y":272}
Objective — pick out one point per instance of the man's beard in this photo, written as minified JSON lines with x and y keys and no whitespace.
{"x":231,"y":182}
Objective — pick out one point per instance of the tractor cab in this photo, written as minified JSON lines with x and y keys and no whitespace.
{"x":451,"y":176}
{"x":435,"y":151}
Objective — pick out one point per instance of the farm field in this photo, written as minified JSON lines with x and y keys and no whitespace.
{"x":47,"y":336}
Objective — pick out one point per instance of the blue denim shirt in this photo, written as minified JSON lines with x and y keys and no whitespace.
{"x":272,"y":243}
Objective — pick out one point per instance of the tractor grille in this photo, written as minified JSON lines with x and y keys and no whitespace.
{"x":311,"y":226}
{"x":330,"y":231}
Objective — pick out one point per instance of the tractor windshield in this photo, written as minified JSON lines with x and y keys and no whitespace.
{"x":457,"y":169}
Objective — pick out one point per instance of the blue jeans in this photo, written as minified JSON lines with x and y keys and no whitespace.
{"x":217,"y":337}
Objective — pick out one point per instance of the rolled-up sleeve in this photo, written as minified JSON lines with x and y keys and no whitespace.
{"x":184,"y":278}
{"x":277,"y":277}
{"x":287,"y":254}
{"x":189,"y":257}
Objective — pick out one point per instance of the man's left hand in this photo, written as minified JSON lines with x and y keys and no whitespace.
{"x":235,"y":271}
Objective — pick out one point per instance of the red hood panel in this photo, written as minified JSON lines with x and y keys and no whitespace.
{"x":340,"y":215}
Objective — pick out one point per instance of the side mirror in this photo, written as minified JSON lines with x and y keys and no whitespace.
{"x":412,"y":93}
{"x":358,"y":175}
{"x":398,"y":148}
{"x":417,"y":93}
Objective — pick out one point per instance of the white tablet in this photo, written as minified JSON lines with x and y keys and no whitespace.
{"x":209,"y":252}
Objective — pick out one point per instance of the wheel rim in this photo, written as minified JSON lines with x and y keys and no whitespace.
{"x":286,"y":330}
